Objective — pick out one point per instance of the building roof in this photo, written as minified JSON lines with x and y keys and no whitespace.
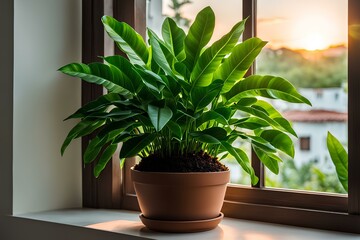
{"x":318,"y":115}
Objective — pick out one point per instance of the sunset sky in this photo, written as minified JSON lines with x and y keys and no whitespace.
{"x":305,"y":24}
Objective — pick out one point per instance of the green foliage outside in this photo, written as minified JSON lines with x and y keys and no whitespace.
{"x":176,"y":6}
{"x":305,"y":69}
{"x":306,"y":177}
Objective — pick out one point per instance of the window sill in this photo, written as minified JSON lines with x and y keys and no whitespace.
{"x":128,"y":222}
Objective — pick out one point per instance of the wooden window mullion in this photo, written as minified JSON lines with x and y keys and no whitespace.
{"x":249,"y":10}
{"x":354,"y":100}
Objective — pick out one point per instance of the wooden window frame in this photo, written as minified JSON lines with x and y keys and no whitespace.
{"x":299,"y":208}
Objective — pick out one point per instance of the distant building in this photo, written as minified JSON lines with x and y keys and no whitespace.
{"x":328,"y":113}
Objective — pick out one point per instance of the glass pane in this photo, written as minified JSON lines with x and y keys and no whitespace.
{"x":227,"y":13}
{"x":308,"y":46}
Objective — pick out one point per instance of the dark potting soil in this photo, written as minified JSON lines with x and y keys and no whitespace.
{"x":192,"y":162}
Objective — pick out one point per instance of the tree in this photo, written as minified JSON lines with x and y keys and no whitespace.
{"x":176,"y":6}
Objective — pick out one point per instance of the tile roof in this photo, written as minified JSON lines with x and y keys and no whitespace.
{"x":318,"y":115}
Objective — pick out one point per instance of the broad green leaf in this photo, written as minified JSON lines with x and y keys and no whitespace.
{"x":242,"y":158}
{"x":251,"y":123}
{"x":203,"y":96}
{"x":210,"y":59}
{"x":199,"y":35}
{"x":279,"y":140}
{"x":96,"y":145}
{"x":126,"y":73}
{"x":134,"y":145}
{"x":161,"y":54}
{"x":256,"y":140}
{"x":340,"y":159}
{"x":174,"y":38}
{"x":117,"y":125}
{"x":104,"y":159}
{"x":264,"y":116}
{"x":127,"y":39}
{"x":265,"y":86}
{"x":83,"y":128}
{"x":159,"y":116}
{"x":238,"y":63}
{"x":175,"y":129}
{"x":183,"y":71}
{"x":97,"y":73}
{"x":270,"y":160}
{"x":212,"y":135}
{"x":209,"y":116}
{"x":115,"y":114}
{"x":92,"y":150}
{"x":153,"y":81}
{"x":100,"y":103}
{"x":247,"y":101}
{"x":275,"y":115}
{"x":172,"y":85}
{"x":226,"y":112}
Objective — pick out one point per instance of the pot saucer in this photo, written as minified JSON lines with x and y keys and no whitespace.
{"x":181,"y":226}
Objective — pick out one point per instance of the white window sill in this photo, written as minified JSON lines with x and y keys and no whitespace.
{"x":128,"y":222}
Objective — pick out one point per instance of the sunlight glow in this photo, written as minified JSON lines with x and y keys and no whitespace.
{"x":315,"y":42}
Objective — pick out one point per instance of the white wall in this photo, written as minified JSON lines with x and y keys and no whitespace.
{"x":318,"y":146}
{"x":47,"y":35}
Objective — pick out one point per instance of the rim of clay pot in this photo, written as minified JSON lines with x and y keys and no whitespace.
{"x":181,"y":178}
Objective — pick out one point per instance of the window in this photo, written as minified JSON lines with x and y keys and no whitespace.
{"x":304,"y":143}
{"x":307,"y":209}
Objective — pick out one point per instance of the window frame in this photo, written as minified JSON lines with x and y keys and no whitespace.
{"x":292,"y":207}
{"x":305,"y":143}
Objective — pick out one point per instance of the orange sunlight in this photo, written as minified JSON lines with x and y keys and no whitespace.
{"x":314,"y":42}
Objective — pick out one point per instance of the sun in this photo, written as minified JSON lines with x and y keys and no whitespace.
{"x":315,"y":42}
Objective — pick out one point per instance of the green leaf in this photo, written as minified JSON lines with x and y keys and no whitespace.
{"x":247,"y":101}
{"x":97,"y":73}
{"x":243,"y":160}
{"x":210,"y":60}
{"x":127,"y":39}
{"x":203,"y":96}
{"x":251,"y":123}
{"x":257,"y":141}
{"x":83,"y":128}
{"x":275,"y":115}
{"x":265,"y":86}
{"x":340,"y":159}
{"x":125,"y":72}
{"x":134,"y":145}
{"x":238,"y":63}
{"x":264,"y":116}
{"x":174,"y":38}
{"x":104,"y":159}
{"x":175,"y":129}
{"x":271,"y":161}
{"x":92,"y":150}
{"x":116,"y":114}
{"x":209,"y":116}
{"x":159,"y":116}
{"x":97,"y":105}
{"x":184,"y":73}
{"x":279,"y":140}
{"x":212,"y":135}
{"x":199,"y":35}
{"x":162,"y":56}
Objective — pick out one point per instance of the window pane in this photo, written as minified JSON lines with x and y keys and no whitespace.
{"x":308,"y":46}
{"x":227,"y":13}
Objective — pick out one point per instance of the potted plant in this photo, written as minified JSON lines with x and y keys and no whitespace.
{"x":179,"y":104}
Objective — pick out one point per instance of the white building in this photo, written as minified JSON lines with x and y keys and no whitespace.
{"x":328,"y":113}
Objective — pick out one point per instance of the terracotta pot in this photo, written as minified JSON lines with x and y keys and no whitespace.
{"x":180,"y":196}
